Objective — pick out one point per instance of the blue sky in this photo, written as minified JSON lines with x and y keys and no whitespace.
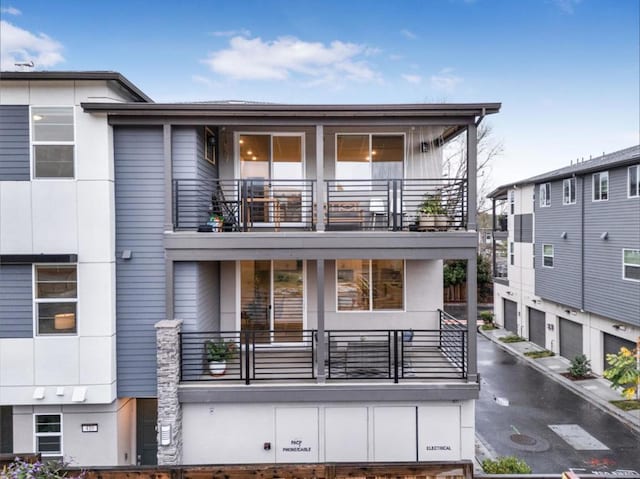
{"x":566,"y":71}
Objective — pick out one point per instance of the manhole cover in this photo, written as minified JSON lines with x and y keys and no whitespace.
{"x":523,"y":439}
{"x":524,"y":442}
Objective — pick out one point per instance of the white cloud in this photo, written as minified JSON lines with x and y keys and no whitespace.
{"x":445,"y":80}
{"x":254,"y":59}
{"x":567,"y":6}
{"x":18,"y":45}
{"x":412,"y":78}
{"x":243,"y":32}
{"x":10,"y":11}
{"x":408,"y":34}
{"x":203,"y":81}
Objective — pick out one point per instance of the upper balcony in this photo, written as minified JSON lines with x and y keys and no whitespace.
{"x":252,"y":205}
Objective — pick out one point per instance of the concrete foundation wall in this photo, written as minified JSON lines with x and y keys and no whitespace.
{"x":333,"y":432}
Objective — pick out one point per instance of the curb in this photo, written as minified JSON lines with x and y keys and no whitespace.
{"x":601,"y":404}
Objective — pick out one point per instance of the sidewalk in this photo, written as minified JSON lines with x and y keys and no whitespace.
{"x":596,"y":391}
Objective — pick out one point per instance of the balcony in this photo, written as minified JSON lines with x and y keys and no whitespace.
{"x":384,"y":356}
{"x":349,"y":205}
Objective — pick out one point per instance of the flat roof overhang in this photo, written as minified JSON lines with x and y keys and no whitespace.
{"x":282,"y":114}
{"x":109,"y":76}
{"x":327,"y":392}
{"x":193,"y":246}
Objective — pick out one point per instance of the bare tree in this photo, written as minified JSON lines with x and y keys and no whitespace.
{"x":455,"y":162}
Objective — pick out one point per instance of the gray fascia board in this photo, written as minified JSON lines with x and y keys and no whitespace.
{"x":184,"y":246}
{"x":314,"y":110}
{"x":72,"y":76}
{"x":449,"y":391}
{"x":211,"y":119}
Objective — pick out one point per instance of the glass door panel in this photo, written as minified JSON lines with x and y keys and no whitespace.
{"x":255,"y":164}
{"x":255,"y":298}
{"x":288,"y":300}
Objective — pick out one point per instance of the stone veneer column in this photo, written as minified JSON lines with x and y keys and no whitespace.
{"x":168,"y":373}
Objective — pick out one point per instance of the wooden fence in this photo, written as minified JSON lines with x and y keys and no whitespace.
{"x":444,"y":470}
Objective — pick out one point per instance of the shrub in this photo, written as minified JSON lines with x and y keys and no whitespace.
{"x":624,"y":372}
{"x":580,"y":366}
{"x":22,"y":469}
{"x":486,"y":317}
{"x":512,"y":338}
{"x":545,"y":353}
{"x":506,"y":465}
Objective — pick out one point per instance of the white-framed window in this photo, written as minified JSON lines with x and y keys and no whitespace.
{"x":52,"y":141}
{"x":569,"y":191}
{"x":631,"y":264}
{"x":512,"y":254}
{"x":601,"y":186}
{"x":55,"y":296}
{"x":363,"y":156}
{"x":633,"y":174}
{"x":545,"y":194}
{"x":48,"y":434}
{"x":512,"y":201}
{"x":547,"y":255}
{"x":209,"y":146}
{"x":370,"y":285}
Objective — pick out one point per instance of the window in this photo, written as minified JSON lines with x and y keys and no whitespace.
{"x":370,"y":285}
{"x":512,"y":201}
{"x":367,"y":156}
{"x":56,"y":297}
{"x":569,"y":191}
{"x":601,"y":186}
{"x":209,"y":146}
{"x":634,"y":181}
{"x":631,"y":264}
{"x":48,"y":434}
{"x":512,"y":255}
{"x":547,"y":255}
{"x":545,"y":194}
{"x":52,"y":139}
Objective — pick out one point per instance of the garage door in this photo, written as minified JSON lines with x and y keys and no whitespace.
{"x":537,"y":327}
{"x":612,"y":344}
{"x":510,"y":316}
{"x":570,"y":338}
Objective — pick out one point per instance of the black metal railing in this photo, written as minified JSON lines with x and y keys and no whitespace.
{"x":243,"y":205}
{"x":396,"y":204}
{"x":385,"y":355}
{"x":454,"y":340}
{"x":255,"y":356}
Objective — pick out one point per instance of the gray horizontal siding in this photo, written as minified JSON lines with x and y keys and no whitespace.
{"x":140,"y":281}
{"x":605,"y":292}
{"x":196,"y":295}
{"x":16,"y":301}
{"x":14,"y":143}
{"x":563,"y":282}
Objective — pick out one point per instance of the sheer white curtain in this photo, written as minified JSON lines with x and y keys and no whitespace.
{"x":428,"y":164}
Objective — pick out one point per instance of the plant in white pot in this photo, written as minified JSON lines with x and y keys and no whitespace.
{"x":432,"y":214}
{"x":218,"y":353}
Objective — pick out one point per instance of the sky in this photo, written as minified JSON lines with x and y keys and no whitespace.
{"x":567,"y":72}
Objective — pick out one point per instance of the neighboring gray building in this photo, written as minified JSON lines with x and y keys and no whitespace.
{"x":573,"y":256}
{"x":137,"y":237}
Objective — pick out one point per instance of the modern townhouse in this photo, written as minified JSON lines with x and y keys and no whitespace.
{"x":568,"y":277}
{"x":301,"y":246}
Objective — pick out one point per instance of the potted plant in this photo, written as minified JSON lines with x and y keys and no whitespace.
{"x":218,"y":352}
{"x":432,"y":214}
{"x":216,"y":222}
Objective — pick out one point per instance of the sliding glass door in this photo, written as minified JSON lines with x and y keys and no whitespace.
{"x":273,"y":166}
{"x":272,"y":299}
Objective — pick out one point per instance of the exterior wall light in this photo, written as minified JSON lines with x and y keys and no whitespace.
{"x":604,"y":236}
{"x":563,"y":235}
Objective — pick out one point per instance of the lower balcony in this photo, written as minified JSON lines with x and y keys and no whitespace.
{"x":284,"y":355}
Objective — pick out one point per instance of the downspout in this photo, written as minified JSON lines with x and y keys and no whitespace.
{"x":581,"y":243}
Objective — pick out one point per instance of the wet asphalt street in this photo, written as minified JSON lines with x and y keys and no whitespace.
{"x":518,"y":404}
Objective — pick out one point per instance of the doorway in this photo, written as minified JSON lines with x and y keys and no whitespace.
{"x":146,"y":435}
{"x":272,"y":299}
{"x":272,"y":168}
